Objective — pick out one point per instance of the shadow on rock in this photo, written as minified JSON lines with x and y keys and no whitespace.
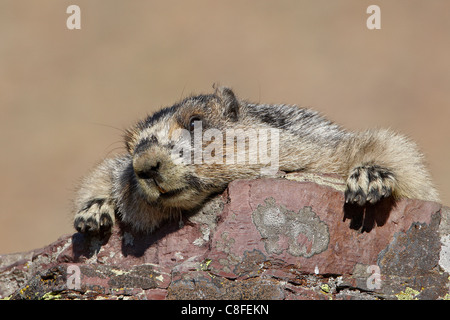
{"x":365,"y":218}
{"x":136,"y":243}
{"x":86,"y":245}
{"x":130,"y":242}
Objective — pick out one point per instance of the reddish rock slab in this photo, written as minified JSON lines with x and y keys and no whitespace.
{"x":309,"y":226}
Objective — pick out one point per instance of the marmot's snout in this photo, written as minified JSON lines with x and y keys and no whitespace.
{"x":146,"y":167}
{"x":157,"y":174}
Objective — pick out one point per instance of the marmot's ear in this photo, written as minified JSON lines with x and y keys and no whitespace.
{"x":231,"y":103}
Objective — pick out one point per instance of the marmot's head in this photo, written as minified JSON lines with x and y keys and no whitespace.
{"x":169,"y":169}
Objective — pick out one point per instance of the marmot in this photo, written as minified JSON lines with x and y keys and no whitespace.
{"x":148,"y":185}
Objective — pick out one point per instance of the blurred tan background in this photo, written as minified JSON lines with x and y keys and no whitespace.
{"x":63,"y":92}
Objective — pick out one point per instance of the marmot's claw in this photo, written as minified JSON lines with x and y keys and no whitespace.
{"x":368,"y":184}
{"x":96,"y":217}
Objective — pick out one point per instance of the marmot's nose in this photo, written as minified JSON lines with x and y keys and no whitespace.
{"x":146,"y":168}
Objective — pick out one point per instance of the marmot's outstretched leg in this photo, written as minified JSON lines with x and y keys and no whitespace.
{"x":94,"y":205}
{"x":384,"y":163}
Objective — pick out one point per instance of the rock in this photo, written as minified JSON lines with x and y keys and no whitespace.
{"x":284,"y":238}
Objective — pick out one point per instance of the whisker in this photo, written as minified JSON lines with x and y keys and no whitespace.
{"x":121,"y":142}
{"x":182,"y":91}
{"x":259,"y":93}
{"x":112,"y":150}
{"x":108,"y":126}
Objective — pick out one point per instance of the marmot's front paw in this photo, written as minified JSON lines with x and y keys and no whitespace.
{"x":97,"y":216}
{"x":369,"y":184}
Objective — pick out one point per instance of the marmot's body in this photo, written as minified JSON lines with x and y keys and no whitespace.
{"x":149,"y":185}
